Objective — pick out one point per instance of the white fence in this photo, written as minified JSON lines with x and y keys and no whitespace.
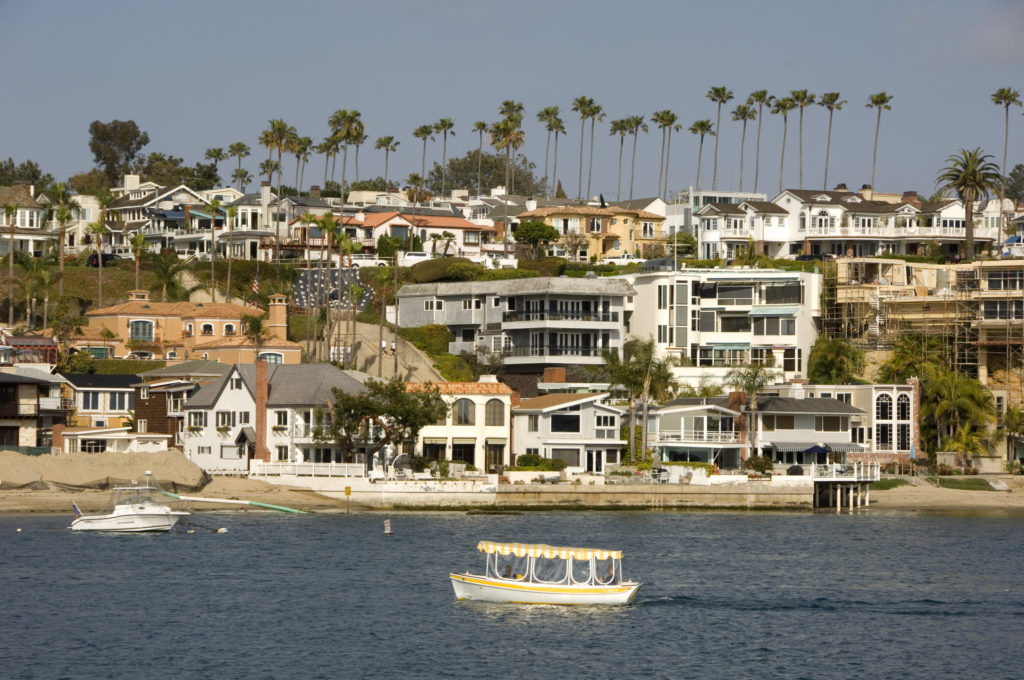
{"x":259,"y":468}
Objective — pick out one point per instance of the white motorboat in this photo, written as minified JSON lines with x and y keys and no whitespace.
{"x":534,"y":573}
{"x":136,"y":508}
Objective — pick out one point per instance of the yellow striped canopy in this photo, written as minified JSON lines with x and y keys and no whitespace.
{"x":550,"y":551}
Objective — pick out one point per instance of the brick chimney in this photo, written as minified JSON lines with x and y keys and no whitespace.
{"x":554,"y":374}
{"x":58,"y":438}
{"x":262,"y":389}
{"x":277,"y":322}
{"x":314,"y":191}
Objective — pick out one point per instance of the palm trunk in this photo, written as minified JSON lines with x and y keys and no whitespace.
{"x":1002,"y":182}
{"x":874,"y":155}
{"x":969,"y":227}
{"x":444,"y":165}
{"x":661,"y":161}
{"x":10,"y":279}
{"x":277,"y":214}
{"x":583,"y":127}
{"x":99,"y":261}
{"x":782,"y":157}
{"x":700,"y":154}
{"x":344,"y":167}
{"x":357,"y":162}
{"x":828,"y":148}
{"x":60,"y":260}
{"x":618,"y":186}
{"x":46,"y":309}
{"x":668,"y":163}
{"x":590,"y":169}
{"x":632,"y":167}
{"x":743,"y":143}
{"x":423,"y":161}
{"x":547,"y":148}
{"x":757,"y":150}
{"x":227,"y":284}
{"x":479,"y":165}
{"x":643,"y":429}
{"x":554,"y":170}
{"x":800,"y":146}
{"x":632,"y":430}
{"x":213,"y":254}
{"x":327,"y":163}
{"x":718,"y":133}
{"x":137,"y":269}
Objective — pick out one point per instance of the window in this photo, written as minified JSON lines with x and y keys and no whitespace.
{"x":121,"y":401}
{"x":735,"y":324}
{"x":903,"y":436}
{"x":883,"y":407}
{"x":570,"y":456}
{"x":189,"y":329}
{"x":197,"y":419}
{"x":90,"y":401}
{"x":647,"y":229}
{"x":270,"y":357}
{"x":229,"y":329}
{"x":203,"y":450}
{"x":433,"y":305}
{"x":206,"y":329}
{"x":831,"y":424}
{"x":141,"y":331}
{"x":883,"y":436}
{"x":236,"y":383}
{"x":143,"y":393}
{"x":225,"y":418}
{"x":595,"y":225}
{"x":903,"y":407}
{"x":532,"y":423}
{"x":243,"y":417}
{"x":772,"y":423}
{"x":565,"y":421}
{"x":789,"y":293}
{"x":735,"y":295}
{"x":281,"y":418}
{"x":792,"y":359}
{"x":494,"y":413}
{"x":282,"y":453}
{"x":141,"y":425}
{"x":465,"y":412}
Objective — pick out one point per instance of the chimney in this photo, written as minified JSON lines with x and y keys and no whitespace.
{"x":262,"y":392}
{"x":264,"y":193}
{"x":58,"y":438}
{"x":912,"y":198}
{"x":277,"y":322}
{"x":131,"y":183}
{"x":360,"y":217}
{"x":554,"y":374}
{"x":841,"y":187}
{"x":314,"y":191}
{"x":138,"y":295}
{"x":516,"y":399}
{"x":531,"y":204}
{"x":488,"y":378}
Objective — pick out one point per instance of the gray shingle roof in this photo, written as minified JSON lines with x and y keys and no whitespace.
{"x":290,"y":385}
{"x":814,"y":405}
{"x":196,"y":368}
{"x":109,"y":382}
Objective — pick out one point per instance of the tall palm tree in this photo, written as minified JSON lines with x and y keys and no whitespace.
{"x":301,"y":147}
{"x":881,"y":102}
{"x":416,"y":181}
{"x":761,"y":98}
{"x":636,"y":125}
{"x":596,"y":114}
{"x":97,"y":229}
{"x":231,"y":217}
{"x":665,"y":120}
{"x":138,"y":245}
{"x":424,"y":132}
{"x":480,"y":127}
{"x":720,"y":95}
{"x":268,"y":168}
{"x":215,"y":155}
{"x":444,"y":127}
{"x":62,"y":210}
{"x":701,"y":128}
{"x":345,"y":126}
{"x":619,"y":127}
{"x":214,"y":209}
{"x":388,"y":144}
{"x":557,"y":126}
{"x":506,"y":135}
{"x":582,"y":105}
{"x":832,"y":102}
{"x":358,"y":138}
{"x":970,"y":176}
{"x":782,"y":107}
{"x":546,"y":115}
{"x":803,"y":99}
{"x":743,"y":113}
{"x":239,"y":150}
{"x":512,"y":122}
{"x":10,"y":214}
{"x":241,"y":177}
{"x":750,"y":380}
{"x":166,"y":275}
{"x":255,"y":331}
{"x":325,"y":148}
{"x":278,"y":139}
{"x":1005,"y":97}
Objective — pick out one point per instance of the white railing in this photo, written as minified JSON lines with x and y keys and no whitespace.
{"x":261,"y":468}
{"x":856,"y":472}
{"x":695,"y":436}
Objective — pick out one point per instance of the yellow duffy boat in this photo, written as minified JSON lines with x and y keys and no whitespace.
{"x":534,"y":573}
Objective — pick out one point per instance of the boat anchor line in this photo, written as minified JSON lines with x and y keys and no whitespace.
{"x":231,"y":501}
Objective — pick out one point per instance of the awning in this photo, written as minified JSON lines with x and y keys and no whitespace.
{"x":496,"y":442}
{"x":458,"y":440}
{"x":435,"y":440}
{"x":793,"y":446}
{"x":246,"y":434}
{"x":768,"y":310}
{"x":1014,"y":239}
{"x":550,"y":551}
{"x":846,"y":448}
{"x":730,"y":345}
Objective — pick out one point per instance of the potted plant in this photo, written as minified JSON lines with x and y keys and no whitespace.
{"x":223,"y":429}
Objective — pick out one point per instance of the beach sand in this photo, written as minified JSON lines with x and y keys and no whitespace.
{"x":49,"y":484}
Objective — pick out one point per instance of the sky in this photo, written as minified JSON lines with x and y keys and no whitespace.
{"x":201,"y":74}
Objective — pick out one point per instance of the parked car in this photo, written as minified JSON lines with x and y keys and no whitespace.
{"x":412,"y":257}
{"x":94,"y":261}
{"x":623,"y":260}
{"x":366,"y":260}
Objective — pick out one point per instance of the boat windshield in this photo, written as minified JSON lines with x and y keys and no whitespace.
{"x":549,"y":569}
{"x":136,"y":495}
{"x":509,"y":567}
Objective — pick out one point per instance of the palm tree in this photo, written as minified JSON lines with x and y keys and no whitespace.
{"x":358,"y":138}
{"x":803,"y":99}
{"x":596,"y":114}
{"x":241,"y":177}
{"x":138,"y":245}
{"x":511,"y":122}
{"x":278,"y":139}
{"x":546,"y":116}
{"x":47,"y":277}
{"x":424,"y":132}
{"x":783,"y":107}
{"x":268,"y":168}
{"x":970,"y":176}
{"x":346,"y":127}
{"x":720,"y":95}
{"x":214,"y":209}
{"x":239,"y":150}
{"x":10,"y":213}
{"x":1005,"y":97}
{"x":97,"y":229}
{"x":215,"y":156}
{"x":832,"y":102}
{"x":643,"y":377}
{"x":636,"y":125}
{"x":750,"y":380}
{"x":701,"y":128}
{"x":625,"y":376}
{"x":744,"y":113}
{"x":166,"y":271}
{"x":558,"y":127}
{"x":388,"y":144}
{"x":63,"y":215}
{"x":761,"y":98}
{"x":881,"y":102}
{"x":232,"y":215}
{"x":417,"y":193}
{"x":444,"y":127}
{"x":665,"y":120}
{"x":620,"y":127}
{"x":301,"y":147}
{"x":62,"y":210}
{"x":955,"y":402}
{"x":255,"y":331}
{"x":480,"y":127}
{"x":582,"y":105}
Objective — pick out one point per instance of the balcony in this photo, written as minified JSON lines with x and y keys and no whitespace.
{"x":19,"y":410}
{"x":56,"y":404}
{"x":606,"y":317}
{"x":696,"y":437}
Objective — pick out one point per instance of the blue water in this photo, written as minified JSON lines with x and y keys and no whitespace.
{"x":725,"y":596}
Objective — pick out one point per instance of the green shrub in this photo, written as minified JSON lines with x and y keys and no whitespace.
{"x":973,"y":484}
{"x":760,"y":464}
{"x":125,"y":366}
{"x":707,"y":467}
{"x":443,"y":469}
{"x":545,"y":266}
{"x":418,"y":463}
{"x":888,"y":483}
{"x":533,"y":461}
{"x":438,"y":269}
{"x":432,"y":338}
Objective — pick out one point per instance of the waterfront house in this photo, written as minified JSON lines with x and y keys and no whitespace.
{"x":580,"y":429}
{"x":693,"y":429}
{"x":101,"y":439}
{"x":30,"y":235}
{"x":101,"y":400}
{"x":610,"y":231}
{"x":30,"y":406}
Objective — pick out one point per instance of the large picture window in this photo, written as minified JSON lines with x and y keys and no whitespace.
{"x":494,"y":414}
{"x":465,"y":412}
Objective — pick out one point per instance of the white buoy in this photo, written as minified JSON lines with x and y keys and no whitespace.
{"x":222,"y":530}
{"x":387,"y":527}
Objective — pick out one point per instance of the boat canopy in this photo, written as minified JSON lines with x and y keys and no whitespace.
{"x":549,"y":551}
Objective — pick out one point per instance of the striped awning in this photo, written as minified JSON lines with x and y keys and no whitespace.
{"x":550,"y":551}
{"x":846,"y":448}
{"x":769,"y":310}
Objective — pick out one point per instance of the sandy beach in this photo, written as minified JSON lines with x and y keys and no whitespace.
{"x":49,"y":484}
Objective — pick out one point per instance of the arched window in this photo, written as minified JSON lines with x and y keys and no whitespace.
{"x":903,"y":407}
{"x":189,"y":329}
{"x":271,"y":357}
{"x":229,"y":329}
{"x":494,"y":413}
{"x":883,"y":407}
{"x":206,"y":329}
{"x":465,"y":412}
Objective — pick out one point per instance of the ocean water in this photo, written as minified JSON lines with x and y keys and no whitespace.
{"x":725,"y":596}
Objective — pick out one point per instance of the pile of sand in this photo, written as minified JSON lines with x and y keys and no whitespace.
{"x":171,"y":470}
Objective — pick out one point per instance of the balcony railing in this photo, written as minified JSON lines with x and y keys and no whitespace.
{"x":859,"y":472}
{"x":696,"y":436}
{"x":560,"y":351}
{"x":560,"y":316}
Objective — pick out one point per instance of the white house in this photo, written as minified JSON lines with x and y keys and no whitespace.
{"x":100,"y":439}
{"x":579,"y":429}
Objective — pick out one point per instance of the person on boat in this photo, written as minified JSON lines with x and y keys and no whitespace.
{"x":508,"y":571}
{"x":610,"y":573}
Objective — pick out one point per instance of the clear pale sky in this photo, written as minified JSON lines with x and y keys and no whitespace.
{"x":197,"y":74}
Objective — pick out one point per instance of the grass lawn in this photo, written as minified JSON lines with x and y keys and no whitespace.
{"x":888,"y":483}
{"x":965,"y":483}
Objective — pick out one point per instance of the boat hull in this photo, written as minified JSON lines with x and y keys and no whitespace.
{"x":128,"y":522}
{"x":483,"y":589}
